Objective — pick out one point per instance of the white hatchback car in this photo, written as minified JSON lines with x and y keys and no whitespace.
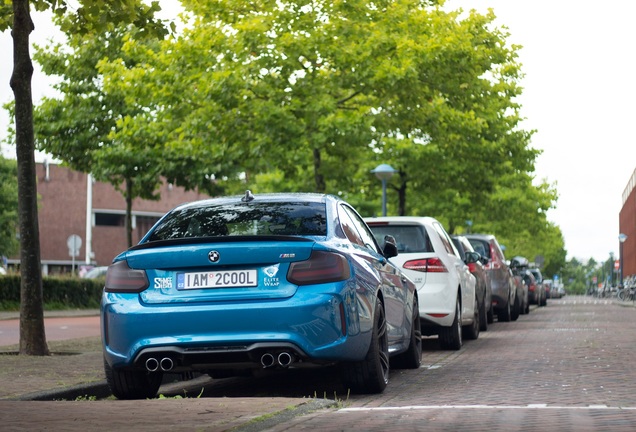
{"x":446,"y":288}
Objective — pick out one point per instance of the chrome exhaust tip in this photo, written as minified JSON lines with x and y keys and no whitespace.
{"x":166,"y":364}
{"x":152,"y":364}
{"x":267,"y":360}
{"x":285,"y":359}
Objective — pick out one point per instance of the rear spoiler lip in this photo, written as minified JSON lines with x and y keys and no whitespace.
{"x":219,"y":239}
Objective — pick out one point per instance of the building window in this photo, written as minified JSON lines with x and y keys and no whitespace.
{"x":109,"y":219}
{"x":144,"y":223}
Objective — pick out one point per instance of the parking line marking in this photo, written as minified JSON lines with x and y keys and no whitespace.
{"x":510,"y":407}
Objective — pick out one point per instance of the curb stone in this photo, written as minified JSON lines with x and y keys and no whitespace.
{"x":99,"y":389}
{"x":280,"y":417}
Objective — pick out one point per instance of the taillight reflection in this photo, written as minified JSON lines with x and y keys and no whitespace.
{"x":321,"y":267}
{"x":427,"y":265}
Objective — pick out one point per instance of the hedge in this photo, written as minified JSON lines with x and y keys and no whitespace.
{"x":60,"y":292}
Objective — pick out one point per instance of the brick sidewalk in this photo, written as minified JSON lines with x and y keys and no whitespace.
{"x":563,"y":367}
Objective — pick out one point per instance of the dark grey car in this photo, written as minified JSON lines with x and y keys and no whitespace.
{"x":499,"y":274}
{"x":483,"y":292}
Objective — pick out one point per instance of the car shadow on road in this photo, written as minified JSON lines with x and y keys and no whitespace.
{"x":322,"y":382}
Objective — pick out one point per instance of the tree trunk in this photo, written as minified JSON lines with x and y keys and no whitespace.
{"x":321,"y":187}
{"x":402,"y":196}
{"x":32,"y":335}
{"x":129,"y":194}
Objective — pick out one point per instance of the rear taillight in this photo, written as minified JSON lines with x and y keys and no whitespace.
{"x":122,"y":279}
{"x":472,"y":267}
{"x":495,"y":265}
{"x":532,"y":287}
{"x":321,"y":267}
{"x":427,"y":265}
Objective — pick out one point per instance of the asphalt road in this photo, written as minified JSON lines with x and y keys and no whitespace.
{"x":56,"y":328}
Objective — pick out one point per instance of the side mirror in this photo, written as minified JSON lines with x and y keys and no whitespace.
{"x":472,"y":257}
{"x":390,"y":247}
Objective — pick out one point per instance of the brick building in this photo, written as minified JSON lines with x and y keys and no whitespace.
{"x":67,"y":200}
{"x":627,"y":226}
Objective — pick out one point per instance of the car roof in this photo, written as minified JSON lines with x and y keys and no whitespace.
{"x":267,"y":197}
{"x":402,"y":219}
{"x":480,"y":236}
{"x":463,"y":240}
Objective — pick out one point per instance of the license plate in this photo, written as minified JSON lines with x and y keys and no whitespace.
{"x":217,"y":279}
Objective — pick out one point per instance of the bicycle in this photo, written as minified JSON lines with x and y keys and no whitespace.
{"x":628,"y":291}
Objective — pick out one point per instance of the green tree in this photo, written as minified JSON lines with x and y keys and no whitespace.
{"x":320,"y":91}
{"x":578,"y":276}
{"x":8,"y":207}
{"x":77,"y":127}
{"x":88,"y":18}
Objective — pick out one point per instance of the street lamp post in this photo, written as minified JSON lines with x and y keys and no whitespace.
{"x":621,"y":238}
{"x":384,"y":172}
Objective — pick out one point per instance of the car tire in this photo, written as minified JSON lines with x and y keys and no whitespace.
{"x":132,"y":384}
{"x":483,"y":316}
{"x":490,"y":315}
{"x":503,"y":315}
{"x":516,"y":310}
{"x":450,"y":338}
{"x":527,"y":306}
{"x":544,"y":301}
{"x":371,"y":375}
{"x":472,"y":331}
{"x":412,"y":357}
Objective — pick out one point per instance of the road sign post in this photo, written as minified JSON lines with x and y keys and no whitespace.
{"x":74,"y":243}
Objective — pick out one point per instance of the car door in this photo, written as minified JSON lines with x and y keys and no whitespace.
{"x":396,"y":287}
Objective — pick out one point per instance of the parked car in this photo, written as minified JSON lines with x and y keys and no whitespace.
{"x":536,"y":291}
{"x":483,"y":291}
{"x":524,"y":286}
{"x":545,"y":287}
{"x":448,"y":304}
{"x":499,"y":274}
{"x":230,"y":285}
{"x":561,"y":290}
{"x":96,"y":272}
{"x":556,"y":290}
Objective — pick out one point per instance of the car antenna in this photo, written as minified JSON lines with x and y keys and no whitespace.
{"x":248,"y":196}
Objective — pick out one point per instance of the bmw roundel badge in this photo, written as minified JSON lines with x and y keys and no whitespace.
{"x":214,"y":256}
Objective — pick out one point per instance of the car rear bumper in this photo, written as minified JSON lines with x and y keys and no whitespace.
{"x":308,"y":327}
{"x":437,"y":304}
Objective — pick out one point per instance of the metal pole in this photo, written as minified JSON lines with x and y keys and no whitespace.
{"x":383,"y":197}
{"x":621,"y":263}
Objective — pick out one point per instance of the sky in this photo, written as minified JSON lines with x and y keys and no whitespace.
{"x":579,"y":93}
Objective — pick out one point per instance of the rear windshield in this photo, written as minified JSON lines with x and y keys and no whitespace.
{"x":409,"y":238}
{"x":537,"y":274}
{"x":272,"y":218}
{"x":481,"y":247}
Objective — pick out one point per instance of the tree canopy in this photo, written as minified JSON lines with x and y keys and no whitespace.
{"x":302,"y":96}
{"x":90,"y":17}
{"x":8,"y":207}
